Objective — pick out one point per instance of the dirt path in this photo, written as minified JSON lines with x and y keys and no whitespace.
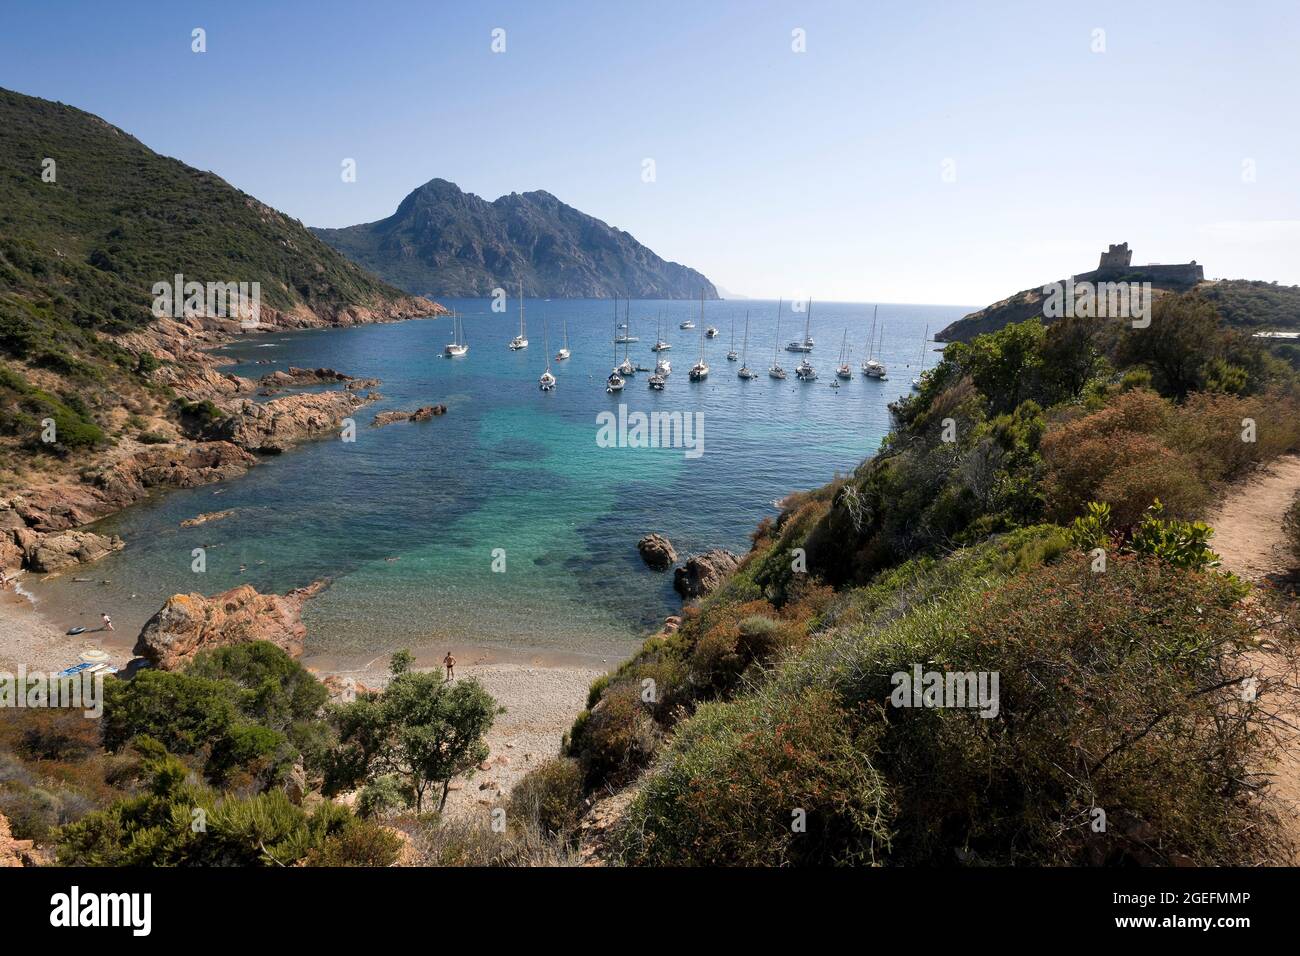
{"x":1248,"y":521}
{"x":1248,"y":537}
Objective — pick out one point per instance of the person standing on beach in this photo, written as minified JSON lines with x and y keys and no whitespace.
{"x":450,"y":663}
{"x":108,"y":621}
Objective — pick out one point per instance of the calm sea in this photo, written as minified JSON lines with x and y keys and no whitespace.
{"x":406,"y":519}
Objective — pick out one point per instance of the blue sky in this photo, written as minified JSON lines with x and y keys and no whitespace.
{"x":776,"y":173}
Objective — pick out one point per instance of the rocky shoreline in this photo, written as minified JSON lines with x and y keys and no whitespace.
{"x":220,"y":434}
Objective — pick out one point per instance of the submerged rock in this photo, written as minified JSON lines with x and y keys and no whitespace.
{"x":206,"y":517}
{"x":703,"y":573}
{"x":657,"y":551}
{"x":189,"y":623}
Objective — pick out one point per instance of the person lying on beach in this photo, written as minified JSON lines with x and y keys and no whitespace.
{"x":450,"y":662}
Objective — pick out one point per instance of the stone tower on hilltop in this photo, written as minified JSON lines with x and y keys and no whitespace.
{"x":1116,"y":259}
{"x":1117,"y":263}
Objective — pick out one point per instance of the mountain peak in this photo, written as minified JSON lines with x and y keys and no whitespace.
{"x":446,"y":241}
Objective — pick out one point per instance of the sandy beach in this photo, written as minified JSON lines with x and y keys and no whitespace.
{"x":541,"y":695}
{"x":28,"y":639}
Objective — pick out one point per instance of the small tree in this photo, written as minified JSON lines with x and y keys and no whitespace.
{"x":401,"y":661}
{"x":423,"y":729}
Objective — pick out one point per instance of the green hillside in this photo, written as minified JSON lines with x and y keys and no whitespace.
{"x":79,"y":256}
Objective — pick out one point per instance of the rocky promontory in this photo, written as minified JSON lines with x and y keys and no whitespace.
{"x":269,"y":428}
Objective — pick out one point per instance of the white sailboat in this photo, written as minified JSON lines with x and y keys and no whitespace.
{"x":622,"y":338}
{"x":745,"y":371}
{"x":615,"y":381}
{"x":700,"y":370}
{"x":457,"y":347}
{"x":872,"y":368}
{"x":845,"y":371}
{"x":731,"y":354}
{"x":662,"y":367}
{"x":807,"y":344}
{"x":564,"y":353}
{"x":661,"y":345}
{"x":627,"y":369}
{"x":804,"y":371}
{"x":925,"y":341}
{"x":776,"y":371}
{"x":520,"y":341}
{"x":547,"y":382}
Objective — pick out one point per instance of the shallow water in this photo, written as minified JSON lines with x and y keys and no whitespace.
{"x":406,"y":519}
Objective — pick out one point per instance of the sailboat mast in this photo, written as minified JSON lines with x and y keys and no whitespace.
{"x":871,"y":343}
{"x":744,"y":348}
{"x":806,"y":321}
{"x":777,"y":343}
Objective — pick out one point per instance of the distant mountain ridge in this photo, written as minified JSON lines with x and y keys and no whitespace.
{"x":445,"y":241}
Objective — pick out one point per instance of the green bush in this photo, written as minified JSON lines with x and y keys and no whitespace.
{"x":616,"y":738}
{"x":360,"y":843}
{"x":762,"y":782}
{"x":249,"y":710}
{"x":382,"y":796}
{"x":175,"y":821}
{"x":550,"y":796}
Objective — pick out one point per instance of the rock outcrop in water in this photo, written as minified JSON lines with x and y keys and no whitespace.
{"x":189,"y":623}
{"x":704,"y":572}
{"x":419,"y":415}
{"x":657,"y":551}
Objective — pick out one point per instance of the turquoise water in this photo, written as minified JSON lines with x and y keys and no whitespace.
{"x":405,"y":520}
